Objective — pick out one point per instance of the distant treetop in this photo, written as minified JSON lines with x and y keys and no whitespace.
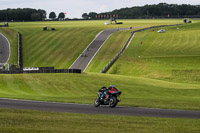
{"x":52,"y":15}
{"x":161,"y":10}
{"x":25,"y":14}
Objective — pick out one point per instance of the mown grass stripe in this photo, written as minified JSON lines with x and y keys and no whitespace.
{"x":30,"y":54}
{"x":54,"y":49}
{"x":42,"y":51}
{"x":43,"y":41}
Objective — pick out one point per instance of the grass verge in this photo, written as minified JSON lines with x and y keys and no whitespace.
{"x":23,"y":121}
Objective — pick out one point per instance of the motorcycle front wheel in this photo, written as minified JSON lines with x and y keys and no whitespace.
{"x":97,"y":102}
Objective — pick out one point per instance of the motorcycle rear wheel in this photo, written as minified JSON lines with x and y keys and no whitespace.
{"x":113,"y":102}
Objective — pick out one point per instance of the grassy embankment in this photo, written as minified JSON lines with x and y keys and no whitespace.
{"x":139,"y":87}
{"x":23,"y":121}
{"x":60,"y":48}
{"x":75,"y":88}
{"x":57,"y":48}
{"x":172,"y":56}
{"x":12,"y":38}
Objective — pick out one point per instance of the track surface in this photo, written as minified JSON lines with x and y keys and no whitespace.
{"x":4,"y":49}
{"x":88,"y":54}
{"x":90,"y":109}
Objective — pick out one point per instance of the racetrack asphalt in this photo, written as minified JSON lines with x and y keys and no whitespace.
{"x":90,"y":109}
{"x":88,"y":54}
{"x":4,"y":49}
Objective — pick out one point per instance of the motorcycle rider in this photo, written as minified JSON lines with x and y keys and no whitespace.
{"x":107,"y":96}
{"x":110,"y":89}
{"x":102,"y":93}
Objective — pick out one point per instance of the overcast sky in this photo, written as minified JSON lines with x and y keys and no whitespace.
{"x":75,"y":8}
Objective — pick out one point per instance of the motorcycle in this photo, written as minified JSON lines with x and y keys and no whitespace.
{"x":111,"y":99}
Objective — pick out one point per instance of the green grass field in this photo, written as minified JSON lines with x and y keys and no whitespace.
{"x":67,"y":42}
{"x":82,"y":88}
{"x":23,"y":121}
{"x":172,"y":56}
{"x":12,"y":38}
{"x":163,"y":72}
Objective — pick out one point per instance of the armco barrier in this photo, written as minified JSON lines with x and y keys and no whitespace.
{"x":20,"y":62}
{"x":118,"y":55}
{"x":107,"y":67}
{"x":19,"y":71}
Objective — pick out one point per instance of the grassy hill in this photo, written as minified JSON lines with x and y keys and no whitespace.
{"x":162,"y":72}
{"x":82,"y":88}
{"x":172,"y":56}
{"x":61,"y":47}
{"x":12,"y":38}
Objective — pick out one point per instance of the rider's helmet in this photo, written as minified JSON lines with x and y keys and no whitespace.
{"x":112,"y":86}
{"x":103,"y":88}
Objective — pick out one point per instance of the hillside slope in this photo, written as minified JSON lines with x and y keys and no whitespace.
{"x":173,"y":55}
{"x":61,"y":47}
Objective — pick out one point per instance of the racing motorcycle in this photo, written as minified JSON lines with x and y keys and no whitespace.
{"x":111,"y":99}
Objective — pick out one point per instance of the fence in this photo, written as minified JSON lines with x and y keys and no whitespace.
{"x":118,"y":55}
{"x":20,"y":62}
{"x":20,"y":71}
{"x":105,"y":69}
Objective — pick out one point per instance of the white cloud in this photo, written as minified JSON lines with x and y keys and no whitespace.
{"x":103,"y":8}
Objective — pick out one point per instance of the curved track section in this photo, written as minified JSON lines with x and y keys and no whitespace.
{"x":4,"y":49}
{"x":90,"y":109}
{"x":88,"y":54}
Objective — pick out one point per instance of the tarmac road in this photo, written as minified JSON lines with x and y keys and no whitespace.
{"x":88,"y":54}
{"x":90,"y":109}
{"x":4,"y":49}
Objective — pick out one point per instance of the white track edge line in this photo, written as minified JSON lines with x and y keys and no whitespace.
{"x":8,"y":47}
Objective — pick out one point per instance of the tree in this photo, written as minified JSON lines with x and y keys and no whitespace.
{"x":160,"y":10}
{"x":43,"y":13}
{"x":61,"y":16}
{"x":52,"y":15}
{"x":92,"y":15}
{"x":36,"y":17}
{"x":85,"y":16}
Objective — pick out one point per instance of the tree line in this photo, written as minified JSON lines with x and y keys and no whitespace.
{"x":161,"y":10}
{"x":25,"y":14}
{"x":28,"y":14}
